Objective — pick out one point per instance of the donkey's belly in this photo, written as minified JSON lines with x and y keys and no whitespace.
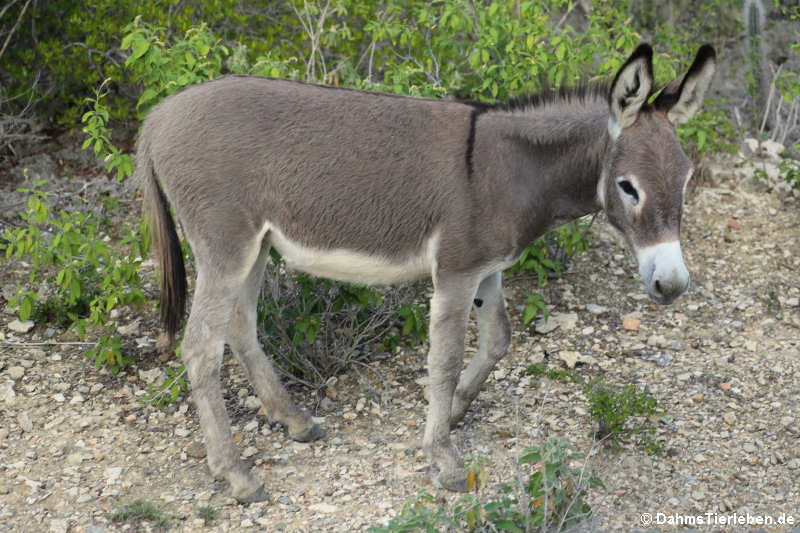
{"x":356,"y":267}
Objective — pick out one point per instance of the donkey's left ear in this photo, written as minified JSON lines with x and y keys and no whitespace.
{"x":631,"y":88}
{"x":681,"y":99}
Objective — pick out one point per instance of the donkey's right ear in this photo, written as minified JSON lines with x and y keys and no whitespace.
{"x":630,"y":89}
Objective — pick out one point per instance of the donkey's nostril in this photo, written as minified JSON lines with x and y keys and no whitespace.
{"x":658,"y":287}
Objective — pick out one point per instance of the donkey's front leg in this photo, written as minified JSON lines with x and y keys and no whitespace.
{"x":449,"y":313}
{"x":494,"y":337}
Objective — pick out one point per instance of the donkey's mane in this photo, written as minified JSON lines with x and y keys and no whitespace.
{"x":581,"y":93}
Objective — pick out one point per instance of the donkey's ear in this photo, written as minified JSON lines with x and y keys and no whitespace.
{"x":631,"y":88}
{"x":681,"y":99}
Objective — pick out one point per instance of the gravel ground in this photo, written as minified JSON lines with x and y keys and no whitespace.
{"x":724,"y":361}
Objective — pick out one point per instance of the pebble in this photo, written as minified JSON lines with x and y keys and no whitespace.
{"x":20,"y":327}
{"x":196,"y":450}
{"x":252,"y":402}
{"x":60,"y":398}
{"x":323,"y":508}
{"x":630,"y":323}
{"x":596,"y":309}
{"x":657,"y":340}
{"x":749,"y":448}
{"x":729,"y":418}
{"x":16,"y":372}
{"x":250,"y":451}
{"x":7,"y":394}
{"x":24,"y":422}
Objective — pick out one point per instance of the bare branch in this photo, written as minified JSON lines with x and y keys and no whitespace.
{"x":14,"y":28}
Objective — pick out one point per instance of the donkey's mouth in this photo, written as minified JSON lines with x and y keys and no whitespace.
{"x":662,"y":269}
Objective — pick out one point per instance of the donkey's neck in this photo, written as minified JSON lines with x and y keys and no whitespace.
{"x":551,"y":160}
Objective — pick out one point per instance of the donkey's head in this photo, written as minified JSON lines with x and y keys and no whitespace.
{"x":645,"y":172}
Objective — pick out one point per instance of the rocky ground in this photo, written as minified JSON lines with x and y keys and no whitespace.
{"x":724,"y":361}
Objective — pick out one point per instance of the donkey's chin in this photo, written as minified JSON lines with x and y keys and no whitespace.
{"x":661,"y":297}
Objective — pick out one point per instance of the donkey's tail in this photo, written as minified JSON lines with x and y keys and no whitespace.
{"x":165,"y":244}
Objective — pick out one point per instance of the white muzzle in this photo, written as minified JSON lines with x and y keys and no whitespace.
{"x":662,"y":269}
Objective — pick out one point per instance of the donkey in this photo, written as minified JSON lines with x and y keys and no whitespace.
{"x":376,"y":189}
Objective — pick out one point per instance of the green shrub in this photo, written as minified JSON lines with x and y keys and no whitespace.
{"x":87,"y":276}
{"x":623,"y":413}
{"x":552,"y":498}
{"x":140,"y":511}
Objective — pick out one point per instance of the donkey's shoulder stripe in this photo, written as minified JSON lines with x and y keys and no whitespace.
{"x":478,"y":108}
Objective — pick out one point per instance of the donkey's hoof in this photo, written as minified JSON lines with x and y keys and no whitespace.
{"x":453,"y":482}
{"x":313,"y":432}
{"x":258,"y":495}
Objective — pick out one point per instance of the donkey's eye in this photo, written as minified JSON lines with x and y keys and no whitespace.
{"x":628,"y":188}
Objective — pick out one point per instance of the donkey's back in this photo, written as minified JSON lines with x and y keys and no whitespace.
{"x":319,"y":165}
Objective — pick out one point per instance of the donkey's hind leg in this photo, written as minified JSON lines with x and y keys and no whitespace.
{"x":494,"y":337}
{"x":243,"y":340}
{"x":203,"y":345}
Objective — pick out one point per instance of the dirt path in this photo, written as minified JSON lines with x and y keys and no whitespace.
{"x":724,"y":361}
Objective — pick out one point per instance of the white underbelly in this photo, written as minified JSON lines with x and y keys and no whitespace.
{"x":352,"y":266}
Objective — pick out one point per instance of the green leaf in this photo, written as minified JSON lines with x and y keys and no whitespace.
{"x":139,"y":47}
{"x":507,"y":525}
{"x":25,"y":308}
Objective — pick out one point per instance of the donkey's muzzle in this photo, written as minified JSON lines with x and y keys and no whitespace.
{"x":663,"y":271}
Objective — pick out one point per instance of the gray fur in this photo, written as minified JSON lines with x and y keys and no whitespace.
{"x":454,"y":190}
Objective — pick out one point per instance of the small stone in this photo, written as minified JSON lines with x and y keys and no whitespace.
{"x":129,"y":329}
{"x":657,"y":340}
{"x":59,"y":525}
{"x":630,"y":323}
{"x":60,"y":398}
{"x":21,"y":327}
{"x":251,"y":426}
{"x":16,"y":372}
{"x":74,"y":459}
{"x":252,"y":402}
{"x":500,"y":374}
{"x":697,"y":398}
{"x":596,"y":309}
{"x":24,"y":422}
{"x":749,"y":447}
{"x":113,"y":473}
{"x":732,"y":224}
{"x":565,"y":321}
{"x":726,"y":386}
{"x":793,"y":301}
{"x":250,"y":451}
{"x":349,"y":415}
{"x":699,"y":458}
{"x":150,"y":376}
{"x":729,"y":418}
{"x":78,"y":398}
{"x":7,"y":394}
{"x":360,"y":404}
{"x":787,"y":420}
{"x":326,"y":404}
{"x":196,"y":450}
{"x":684,"y":376}
{"x":323,"y":508}
{"x":182,"y":432}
